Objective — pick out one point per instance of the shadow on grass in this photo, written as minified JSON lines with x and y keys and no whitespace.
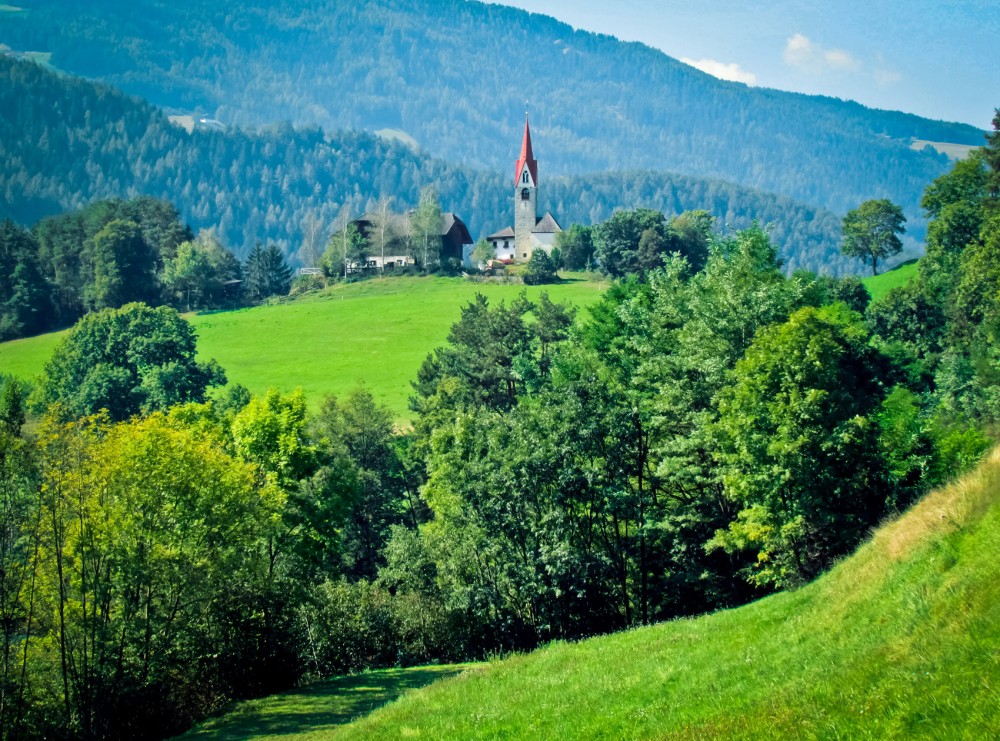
{"x":319,"y":707}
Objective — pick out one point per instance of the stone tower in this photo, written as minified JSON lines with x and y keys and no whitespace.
{"x":525,"y":198}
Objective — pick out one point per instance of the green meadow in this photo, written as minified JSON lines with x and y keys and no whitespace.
{"x":901,"y":640}
{"x":374,"y":333}
{"x":879,"y":285}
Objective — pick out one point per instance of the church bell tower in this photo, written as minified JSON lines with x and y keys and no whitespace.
{"x":525,"y":198}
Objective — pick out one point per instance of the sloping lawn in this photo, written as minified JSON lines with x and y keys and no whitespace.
{"x":313,"y":712}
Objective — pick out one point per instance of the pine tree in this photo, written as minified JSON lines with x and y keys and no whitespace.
{"x":266,"y":273}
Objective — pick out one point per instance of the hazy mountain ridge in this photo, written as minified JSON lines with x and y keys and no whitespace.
{"x":65,"y":142}
{"x":457,"y":76}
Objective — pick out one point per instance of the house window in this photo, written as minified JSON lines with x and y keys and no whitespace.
{"x":525,"y":195}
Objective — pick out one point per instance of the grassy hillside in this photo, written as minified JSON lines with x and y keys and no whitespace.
{"x":318,"y":708}
{"x":902,"y":640}
{"x":879,"y":285}
{"x":375,"y":334}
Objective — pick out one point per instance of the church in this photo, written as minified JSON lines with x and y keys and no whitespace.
{"x":530,"y":232}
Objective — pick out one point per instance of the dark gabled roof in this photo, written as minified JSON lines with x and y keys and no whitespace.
{"x":450,"y":221}
{"x":506,"y":233}
{"x":546,"y":225}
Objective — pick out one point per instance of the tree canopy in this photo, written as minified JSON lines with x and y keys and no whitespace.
{"x":871,"y":231}
{"x":127,"y":360}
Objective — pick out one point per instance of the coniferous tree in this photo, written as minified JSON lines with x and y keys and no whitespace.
{"x":266,"y":273}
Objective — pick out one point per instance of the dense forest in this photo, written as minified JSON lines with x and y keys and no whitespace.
{"x":456,"y":76}
{"x":712,"y":430}
{"x":65,"y":142}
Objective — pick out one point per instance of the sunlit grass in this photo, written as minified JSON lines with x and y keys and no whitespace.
{"x":25,"y":358}
{"x":374,"y":334}
{"x":879,"y":285}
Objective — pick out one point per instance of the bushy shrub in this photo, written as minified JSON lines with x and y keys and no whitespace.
{"x":540,"y":269}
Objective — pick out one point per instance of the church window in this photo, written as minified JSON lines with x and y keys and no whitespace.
{"x":525,"y":195}
{"x":524,"y":176}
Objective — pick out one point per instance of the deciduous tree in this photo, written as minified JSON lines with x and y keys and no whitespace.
{"x":126,"y":361}
{"x":871,"y":231}
{"x":800,"y":445}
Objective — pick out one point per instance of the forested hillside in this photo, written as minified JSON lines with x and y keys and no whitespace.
{"x":709,"y":431}
{"x":457,"y":75}
{"x":65,"y":142}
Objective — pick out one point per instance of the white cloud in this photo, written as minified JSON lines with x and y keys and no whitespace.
{"x":803,"y":53}
{"x":799,"y":50}
{"x":885,"y":77}
{"x":723,"y":70}
{"x":840,"y":59}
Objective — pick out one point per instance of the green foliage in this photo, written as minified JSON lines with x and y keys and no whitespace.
{"x":910,"y":325}
{"x":25,"y":296}
{"x":126,"y":361}
{"x":617,"y":241}
{"x":541,"y":269}
{"x":991,"y":154}
{"x":358,"y":435}
{"x":123,"y":267}
{"x":483,"y":252}
{"x":19,"y":539}
{"x":197,"y":274}
{"x":107,"y":253}
{"x":692,"y":232}
{"x":488,"y":348}
{"x":266,"y":273}
{"x":641,"y":240}
{"x":131,"y":576}
{"x":964,"y":183}
{"x":798,"y":444}
{"x":576,"y":247}
{"x":344,"y":247}
{"x":12,"y":405}
{"x":271,"y":432}
{"x":426,"y":226}
{"x":870,"y":231}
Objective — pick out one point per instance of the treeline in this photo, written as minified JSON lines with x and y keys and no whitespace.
{"x":444,"y":72}
{"x":67,"y":142}
{"x":711,"y":431}
{"x":115,"y":252}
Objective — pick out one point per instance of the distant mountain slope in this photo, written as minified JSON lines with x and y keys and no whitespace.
{"x":66,"y":141}
{"x":457,"y":76}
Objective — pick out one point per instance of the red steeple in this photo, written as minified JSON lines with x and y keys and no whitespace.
{"x":526,"y":157}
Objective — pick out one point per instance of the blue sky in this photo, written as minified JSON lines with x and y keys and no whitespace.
{"x":936,"y":59}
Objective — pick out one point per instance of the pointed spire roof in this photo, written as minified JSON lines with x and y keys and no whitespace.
{"x":526,"y":156}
